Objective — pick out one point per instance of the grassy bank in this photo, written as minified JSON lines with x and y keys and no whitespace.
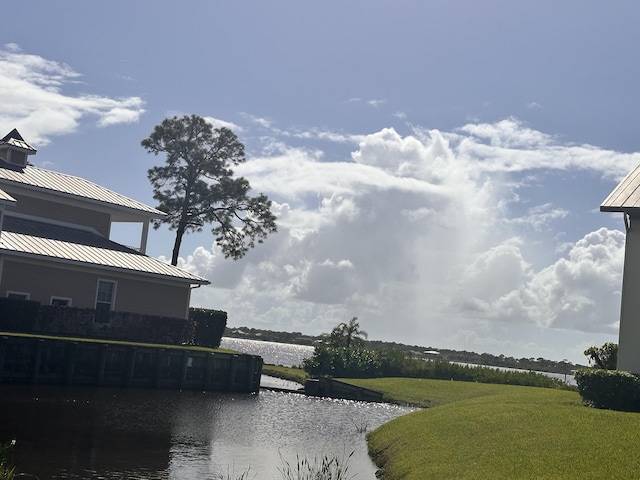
{"x":482,"y":431}
{"x":287,"y":373}
{"x":114,"y":342}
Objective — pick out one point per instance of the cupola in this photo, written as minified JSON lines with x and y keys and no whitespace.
{"x":14,"y":150}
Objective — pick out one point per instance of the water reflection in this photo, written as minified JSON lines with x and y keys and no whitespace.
{"x":156,"y":434}
{"x":272,"y":353}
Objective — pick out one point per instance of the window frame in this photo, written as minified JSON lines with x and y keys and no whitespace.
{"x":16,"y":295}
{"x":102,"y":314}
{"x":53,"y":298}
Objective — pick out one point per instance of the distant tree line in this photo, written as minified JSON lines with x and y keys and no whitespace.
{"x":344,"y":354}
{"x":536,"y":364}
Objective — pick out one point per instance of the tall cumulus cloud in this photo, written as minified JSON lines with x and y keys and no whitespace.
{"x":425,"y":235}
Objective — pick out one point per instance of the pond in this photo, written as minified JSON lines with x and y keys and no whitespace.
{"x":159,"y":434}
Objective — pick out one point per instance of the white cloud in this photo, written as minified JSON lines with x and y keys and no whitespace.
{"x":540,"y":216}
{"x":218,"y":123}
{"x":413,"y":236}
{"x":580,"y":291}
{"x":375,"y":102}
{"x":33,"y":98}
{"x":509,"y":146}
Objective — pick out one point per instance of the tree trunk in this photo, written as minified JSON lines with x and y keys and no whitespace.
{"x":176,"y":245}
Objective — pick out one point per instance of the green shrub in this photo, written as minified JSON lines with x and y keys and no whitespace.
{"x":17,"y":315}
{"x":610,"y":389}
{"x":209,"y":326}
{"x":360,"y":362}
{"x":353,"y":362}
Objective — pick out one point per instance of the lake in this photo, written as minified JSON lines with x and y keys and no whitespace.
{"x":82,"y":433}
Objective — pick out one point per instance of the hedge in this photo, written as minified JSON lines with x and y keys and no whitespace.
{"x":18,"y":315}
{"x":609,"y":389}
{"x":209,"y":326}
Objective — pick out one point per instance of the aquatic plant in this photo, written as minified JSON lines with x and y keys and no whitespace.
{"x":362,"y":425}
{"x":329,"y":467}
{"x":230,"y":475}
{"x":7,"y":469}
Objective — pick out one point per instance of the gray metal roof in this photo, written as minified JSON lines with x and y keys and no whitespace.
{"x":5,"y":198}
{"x":29,"y":237}
{"x":14,"y":139}
{"x":626,"y":196}
{"x":71,"y":186}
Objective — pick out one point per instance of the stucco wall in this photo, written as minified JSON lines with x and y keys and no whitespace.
{"x":134,"y":293}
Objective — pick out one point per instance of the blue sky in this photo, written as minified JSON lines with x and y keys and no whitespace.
{"x":436,"y":167}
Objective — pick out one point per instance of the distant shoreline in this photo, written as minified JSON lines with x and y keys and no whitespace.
{"x":297,"y":338}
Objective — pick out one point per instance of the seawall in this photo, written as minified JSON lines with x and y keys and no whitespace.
{"x":41,"y":360}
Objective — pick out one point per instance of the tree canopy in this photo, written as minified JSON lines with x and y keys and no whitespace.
{"x":347,"y":334}
{"x":196,"y":186}
{"x":604,"y":357}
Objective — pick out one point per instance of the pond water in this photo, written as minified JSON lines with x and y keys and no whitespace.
{"x":159,"y":434}
{"x":273,"y":353}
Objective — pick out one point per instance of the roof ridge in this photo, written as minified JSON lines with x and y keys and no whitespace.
{"x":13,"y":134}
{"x":14,"y":138}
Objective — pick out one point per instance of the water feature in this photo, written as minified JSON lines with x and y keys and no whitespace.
{"x":272,"y":353}
{"x":161,"y":434}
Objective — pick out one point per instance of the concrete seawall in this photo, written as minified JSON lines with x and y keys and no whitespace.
{"x":55,"y":361}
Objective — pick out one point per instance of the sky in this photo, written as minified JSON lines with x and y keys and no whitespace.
{"x":436,"y":167}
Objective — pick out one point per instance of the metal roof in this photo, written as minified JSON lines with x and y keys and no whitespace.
{"x":71,"y":186}
{"x":5,"y":198}
{"x":52,"y":242}
{"x":14,"y":139}
{"x":626,"y":196}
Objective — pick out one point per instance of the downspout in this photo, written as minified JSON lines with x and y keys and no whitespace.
{"x":191,"y":287}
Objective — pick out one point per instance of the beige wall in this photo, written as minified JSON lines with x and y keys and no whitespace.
{"x":134,"y":293}
{"x":60,"y":212}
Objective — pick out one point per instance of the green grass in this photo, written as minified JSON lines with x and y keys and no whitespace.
{"x":484,"y":431}
{"x":286,"y":373}
{"x":115,"y":342}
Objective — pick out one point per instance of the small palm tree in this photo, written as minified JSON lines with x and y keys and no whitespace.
{"x":346,"y":334}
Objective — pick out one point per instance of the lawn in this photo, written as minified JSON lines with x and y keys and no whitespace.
{"x":115,"y":342}
{"x":484,"y":431}
{"x":288,"y":373}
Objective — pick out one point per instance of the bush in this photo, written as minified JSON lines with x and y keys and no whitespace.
{"x":353,"y":362}
{"x":610,"y":389}
{"x":360,"y":362}
{"x":209,"y":326}
{"x":17,"y":315}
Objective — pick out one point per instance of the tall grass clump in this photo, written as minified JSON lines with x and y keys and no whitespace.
{"x":232,"y":476}
{"x":7,"y":469}
{"x":329,"y":467}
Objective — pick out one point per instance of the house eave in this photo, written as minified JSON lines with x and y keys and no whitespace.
{"x":116,"y":270}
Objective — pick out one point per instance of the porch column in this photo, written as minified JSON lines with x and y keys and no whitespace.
{"x":144,"y":237}
{"x":629,"y":336}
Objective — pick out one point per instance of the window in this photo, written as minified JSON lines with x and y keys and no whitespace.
{"x":60,"y":302}
{"x":18,"y":295}
{"x":105,"y":299}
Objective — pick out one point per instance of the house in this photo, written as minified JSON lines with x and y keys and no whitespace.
{"x":55,"y":247}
